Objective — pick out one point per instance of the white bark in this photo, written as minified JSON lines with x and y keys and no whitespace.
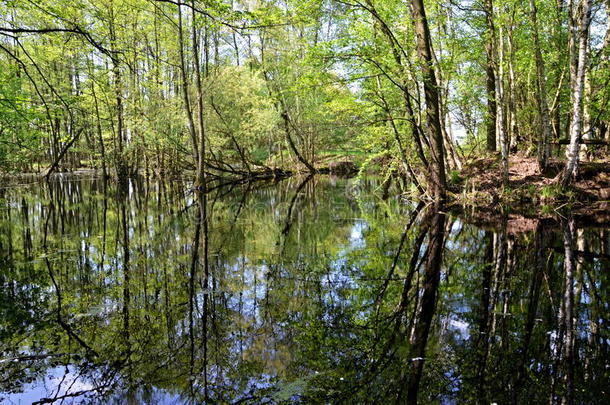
{"x":586,"y":115}
{"x":500,"y":121}
{"x":511,"y":118}
{"x":579,"y":33}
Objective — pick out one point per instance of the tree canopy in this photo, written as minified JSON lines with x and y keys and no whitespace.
{"x":249,"y":87}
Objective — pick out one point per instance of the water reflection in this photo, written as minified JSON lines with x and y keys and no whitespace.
{"x":312,"y":290}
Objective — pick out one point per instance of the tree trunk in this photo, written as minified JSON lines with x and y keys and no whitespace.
{"x":283,"y":110}
{"x":98,"y":123}
{"x":500,"y":119}
{"x":291,"y":144}
{"x":587,"y":129}
{"x":491,"y":77}
{"x":185,"y":93}
{"x":431,"y":281}
{"x":566,"y":312}
{"x":433,"y":116}
{"x":579,"y":36}
{"x":121,"y":167}
{"x":545,"y":117}
{"x":511,"y":112}
{"x":201,"y":180}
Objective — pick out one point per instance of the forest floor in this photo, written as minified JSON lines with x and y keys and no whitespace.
{"x":531,"y":196}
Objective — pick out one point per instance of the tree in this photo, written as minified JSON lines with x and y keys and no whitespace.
{"x":545,"y":118}
{"x":579,"y":21}
{"x":490,"y":71}
{"x":433,"y":115}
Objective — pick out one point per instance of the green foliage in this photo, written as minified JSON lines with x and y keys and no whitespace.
{"x":455,"y":177}
{"x":346,"y":76}
{"x":19,"y":139}
{"x":241,"y":114}
{"x":550,"y":192}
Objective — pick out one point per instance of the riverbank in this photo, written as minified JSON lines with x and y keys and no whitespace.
{"x":478,"y":191}
{"x":479,"y":184}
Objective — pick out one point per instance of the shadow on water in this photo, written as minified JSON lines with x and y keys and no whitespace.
{"x":312,"y":290}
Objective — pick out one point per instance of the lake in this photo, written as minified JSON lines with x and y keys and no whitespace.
{"x":311,"y":290}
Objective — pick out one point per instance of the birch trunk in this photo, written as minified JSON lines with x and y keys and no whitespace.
{"x":586,"y":115}
{"x":567,"y":315}
{"x":491,"y":77}
{"x":500,"y":120}
{"x":511,"y":113}
{"x":579,"y":35}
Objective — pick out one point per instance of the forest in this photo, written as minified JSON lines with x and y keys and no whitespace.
{"x":304,"y":202}
{"x":266,"y":89}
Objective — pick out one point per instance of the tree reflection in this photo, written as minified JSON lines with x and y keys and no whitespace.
{"x":161,"y":295}
{"x":424,"y":316}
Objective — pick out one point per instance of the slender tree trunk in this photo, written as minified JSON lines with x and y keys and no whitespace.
{"x":121,"y":167}
{"x":62,"y":153}
{"x":399,"y":55}
{"x":532,"y":307}
{"x":566,"y":314}
{"x":396,"y":132}
{"x":579,"y":36}
{"x":431,"y":281}
{"x":543,"y":105}
{"x":291,"y":144}
{"x":586,"y":114}
{"x":511,"y":111}
{"x":201,"y":180}
{"x":444,"y":81}
{"x":483,"y":339}
{"x":433,"y":115}
{"x":185,"y":91}
{"x":98,"y":125}
{"x":283,"y":110}
{"x":500,"y":103}
{"x":490,"y":76}
{"x":558,"y":66}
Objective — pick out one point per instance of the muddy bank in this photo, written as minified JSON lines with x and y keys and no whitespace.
{"x":478,"y":196}
{"x":480,"y":184}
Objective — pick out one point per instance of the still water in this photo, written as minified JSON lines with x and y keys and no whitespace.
{"x":313,"y":291}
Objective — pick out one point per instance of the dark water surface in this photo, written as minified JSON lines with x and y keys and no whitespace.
{"x":314,"y":292}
